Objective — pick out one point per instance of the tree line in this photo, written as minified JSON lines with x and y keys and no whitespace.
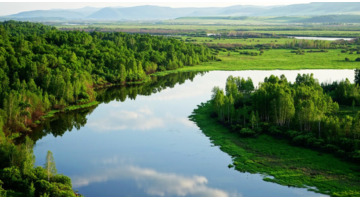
{"x":305,"y":112}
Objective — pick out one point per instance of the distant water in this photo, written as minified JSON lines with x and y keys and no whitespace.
{"x":321,"y":38}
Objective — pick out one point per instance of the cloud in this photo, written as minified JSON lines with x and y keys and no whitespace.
{"x":154,"y":182}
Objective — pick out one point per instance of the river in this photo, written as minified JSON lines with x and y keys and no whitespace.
{"x":140,"y":142}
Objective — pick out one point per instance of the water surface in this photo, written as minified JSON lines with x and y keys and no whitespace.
{"x":140,"y":142}
{"x":321,"y":38}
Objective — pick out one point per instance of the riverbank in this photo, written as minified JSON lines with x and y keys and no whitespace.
{"x":279,"y":161}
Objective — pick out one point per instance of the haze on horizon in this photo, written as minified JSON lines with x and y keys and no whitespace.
{"x":8,"y":8}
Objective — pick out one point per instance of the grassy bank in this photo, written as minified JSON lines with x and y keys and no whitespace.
{"x":51,"y":113}
{"x":275,"y":59}
{"x":284,"y":164}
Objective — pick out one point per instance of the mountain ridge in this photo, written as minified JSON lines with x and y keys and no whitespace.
{"x":151,"y":12}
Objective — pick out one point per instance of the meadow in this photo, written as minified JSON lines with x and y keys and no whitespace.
{"x":273,"y":26}
{"x":275,"y":59}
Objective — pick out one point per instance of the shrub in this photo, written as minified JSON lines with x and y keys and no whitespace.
{"x":274,"y":130}
{"x":331,"y":148}
{"x":247,"y":132}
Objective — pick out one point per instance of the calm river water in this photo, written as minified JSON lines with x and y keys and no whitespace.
{"x":140,"y":142}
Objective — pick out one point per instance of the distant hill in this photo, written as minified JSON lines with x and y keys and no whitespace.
{"x":148,"y":12}
{"x":81,"y":13}
{"x":313,"y":9}
{"x":333,"y":19}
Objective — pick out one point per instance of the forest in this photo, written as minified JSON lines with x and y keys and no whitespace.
{"x":44,"y":69}
{"x":321,"y":117}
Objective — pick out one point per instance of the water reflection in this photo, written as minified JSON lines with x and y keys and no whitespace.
{"x":148,"y":147}
{"x":141,"y":119}
{"x":156,"y":85}
{"x":154,"y":183}
{"x":122,"y":119}
{"x":62,"y":123}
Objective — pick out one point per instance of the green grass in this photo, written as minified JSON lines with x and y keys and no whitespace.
{"x":81,"y":106}
{"x":280,"y":162}
{"x":266,"y":25}
{"x":275,"y":59}
{"x":50,"y":114}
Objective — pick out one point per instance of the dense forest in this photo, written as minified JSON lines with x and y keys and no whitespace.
{"x":322,"y":117}
{"x":42,"y":69}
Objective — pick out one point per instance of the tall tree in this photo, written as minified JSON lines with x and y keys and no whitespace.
{"x":50,"y":166}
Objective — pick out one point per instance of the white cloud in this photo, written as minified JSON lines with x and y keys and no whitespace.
{"x":154,"y":182}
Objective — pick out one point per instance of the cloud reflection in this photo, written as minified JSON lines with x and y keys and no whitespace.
{"x":140,"y":119}
{"x":154,"y":182}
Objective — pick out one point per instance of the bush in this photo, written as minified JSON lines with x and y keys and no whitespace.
{"x":247,"y":132}
{"x":213,"y":115}
{"x":356,"y":155}
{"x":59,"y":178}
{"x":292,"y":133}
{"x":274,"y":130}
{"x":305,"y":140}
{"x":236,"y":128}
{"x":357,"y":59}
{"x":347,"y":59}
{"x":331,"y":148}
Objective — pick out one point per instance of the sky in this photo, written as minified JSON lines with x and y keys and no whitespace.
{"x":16,"y":6}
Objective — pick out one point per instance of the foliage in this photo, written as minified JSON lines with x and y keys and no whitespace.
{"x":42,"y":68}
{"x":19,"y":177}
{"x":278,"y":106}
{"x":279,"y":161}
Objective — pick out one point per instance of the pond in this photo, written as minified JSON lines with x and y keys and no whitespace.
{"x":140,"y":142}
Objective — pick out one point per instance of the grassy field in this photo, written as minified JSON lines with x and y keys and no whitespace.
{"x":280,"y":162}
{"x":186,"y":26}
{"x":248,"y":41}
{"x":276,"y":59}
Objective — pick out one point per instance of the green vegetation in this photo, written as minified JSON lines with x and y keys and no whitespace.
{"x":301,"y":112}
{"x":275,"y":59}
{"x":259,"y":27}
{"x":283,"y":163}
{"x":257,"y":126}
{"x":44,"y":70}
{"x":19,"y":177}
{"x":76,"y":107}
